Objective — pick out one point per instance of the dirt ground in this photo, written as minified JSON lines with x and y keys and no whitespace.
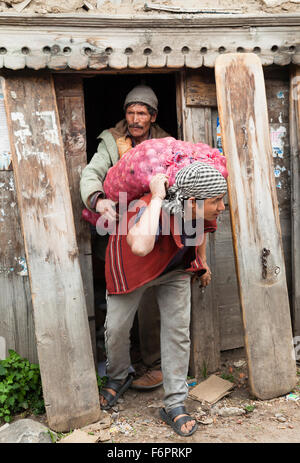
{"x":135,"y":419}
{"x":271,"y":421}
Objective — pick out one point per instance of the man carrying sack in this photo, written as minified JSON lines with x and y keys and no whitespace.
{"x":165,"y":262}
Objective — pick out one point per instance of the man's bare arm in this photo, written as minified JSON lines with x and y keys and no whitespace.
{"x":141,"y":237}
{"x":206,"y":278}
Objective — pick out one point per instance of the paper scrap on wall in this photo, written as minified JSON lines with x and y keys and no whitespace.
{"x":5,"y":153}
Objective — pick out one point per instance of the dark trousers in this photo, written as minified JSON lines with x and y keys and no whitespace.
{"x":149,"y":330}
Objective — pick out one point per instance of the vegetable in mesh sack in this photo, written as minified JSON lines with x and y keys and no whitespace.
{"x":133,"y":172}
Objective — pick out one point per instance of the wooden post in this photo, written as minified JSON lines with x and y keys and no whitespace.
{"x":197,"y":126}
{"x":295,"y":199}
{"x":70,"y":103}
{"x":255,"y":224}
{"x":61,"y":323}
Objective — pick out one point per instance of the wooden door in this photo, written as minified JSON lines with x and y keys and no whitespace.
{"x":60,"y":313}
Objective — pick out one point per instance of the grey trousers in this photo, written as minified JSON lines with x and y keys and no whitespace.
{"x":174,"y":300}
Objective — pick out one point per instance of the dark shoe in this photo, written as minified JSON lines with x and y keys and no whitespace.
{"x":119,"y":387}
{"x":169,"y":417}
{"x":150,"y":380}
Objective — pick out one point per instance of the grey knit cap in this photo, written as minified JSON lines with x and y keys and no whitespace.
{"x":199,"y":180}
{"x":142,"y":94}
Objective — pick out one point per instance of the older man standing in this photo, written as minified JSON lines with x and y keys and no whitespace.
{"x":141,"y":107}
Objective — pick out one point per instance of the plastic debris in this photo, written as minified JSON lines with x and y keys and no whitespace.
{"x":292,"y":396}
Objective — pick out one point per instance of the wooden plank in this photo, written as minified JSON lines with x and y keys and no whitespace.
{"x":70,"y":104}
{"x":200,"y":90}
{"x":192,"y":43}
{"x":231,"y":327}
{"x":16,"y":317}
{"x":16,"y":314}
{"x":180,"y":101}
{"x":195,"y":124}
{"x":255,"y":224}
{"x":295,"y":194}
{"x":205,"y":340}
{"x":60,"y":315}
{"x":277,"y":91}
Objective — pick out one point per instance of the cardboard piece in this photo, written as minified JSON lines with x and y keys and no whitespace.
{"x":79,"y":437}
{"x":104,"y":423}
{"x":211,"y":390}
{"x":20,"y":6}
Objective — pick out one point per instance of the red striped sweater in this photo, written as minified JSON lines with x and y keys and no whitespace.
{"x":125,"y":271}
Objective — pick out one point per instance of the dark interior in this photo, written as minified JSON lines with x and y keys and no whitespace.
{"x":104,"y":98}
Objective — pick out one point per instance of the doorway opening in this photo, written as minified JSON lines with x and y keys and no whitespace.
{"x":104,"y":97}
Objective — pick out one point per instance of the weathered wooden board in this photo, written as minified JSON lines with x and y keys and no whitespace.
{"x":96,"y":42}
{"x":205,"y":339}
{"x":255,"y":224}
{"x":231,"y":326}
{"x":60,"y":315}
{"x":295,"y":197}
{"x":230,"y":317}
{"x":200,"y":90}
{"x":277,"y":92}
{"x":16,"y":320}
{"x":205,"y":333}
{"x":70,"y":103}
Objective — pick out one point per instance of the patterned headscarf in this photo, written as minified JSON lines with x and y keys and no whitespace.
{"x":199,"y":180}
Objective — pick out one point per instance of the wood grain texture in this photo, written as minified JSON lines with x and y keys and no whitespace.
{"x":16,"y":314}
{"x":255,"y":224}
{"x":295,"y":194}
{"x":277,"y":92}
{"x":97,"y":43}
{"x":200,"y":91}
{"x":230,"y":317}
{"x":205,"y":334}
{"x":61,"y":322}
{"x":70,"y":104}
{"x":231,"y":326}
{"x":205,"y":338}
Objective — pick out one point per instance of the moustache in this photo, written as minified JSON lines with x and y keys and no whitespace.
{"x":135,"y":126}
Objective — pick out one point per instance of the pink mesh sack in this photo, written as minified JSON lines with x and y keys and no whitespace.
{"x":133,"y":172}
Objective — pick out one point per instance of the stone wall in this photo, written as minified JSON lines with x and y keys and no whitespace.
{"x":127,"y":7}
